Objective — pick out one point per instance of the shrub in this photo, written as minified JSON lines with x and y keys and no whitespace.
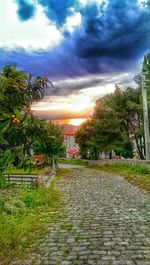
{"x":2,"y":204}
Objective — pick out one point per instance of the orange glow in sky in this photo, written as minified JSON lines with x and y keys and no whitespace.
{"x":72,"y":103}
{"x":73,"y":109}
{"x":76,"y":122}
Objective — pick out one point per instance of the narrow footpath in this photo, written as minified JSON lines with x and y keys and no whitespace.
{"x":105,"y":221}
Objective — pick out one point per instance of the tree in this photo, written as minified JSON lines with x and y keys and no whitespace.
{"x":19,"y":129}
{"x":86,"y":138}
{"x":116,"y":120}
{"x":128,"y":104}
{"x":19,"y":90}
{"x":49,"y":140}
{"x":109,"y":128}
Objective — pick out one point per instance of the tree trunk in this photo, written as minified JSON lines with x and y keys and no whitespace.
{"x":95,"y":153}
{"x":138,"y":147}
{"x":141,"y":147}
{"x":110,"y":154}
{"x":136,"y":140}
{"x":54,"y":163}
{"x":140,"y":138}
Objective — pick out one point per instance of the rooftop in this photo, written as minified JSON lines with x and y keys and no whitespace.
{"x":69,"y":132}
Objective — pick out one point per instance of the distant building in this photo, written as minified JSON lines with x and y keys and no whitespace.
{"x":72,"y":148}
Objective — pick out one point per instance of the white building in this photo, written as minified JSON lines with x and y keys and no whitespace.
{"x":72,"y":148}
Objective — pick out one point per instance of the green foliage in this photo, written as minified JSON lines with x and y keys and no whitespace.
{"x":18,"y":90}
{"x":86,"y":138}
{"x":6,"y":159}
{"x":49,"y":140}
{"x":117,"y":121}
{"x":22,"y":171}
{"x":2,"y":204}
{"x":3,"y":183}
{"x":21,"y":132}
{"x":125,"y":168}
{"x":124,"y":149}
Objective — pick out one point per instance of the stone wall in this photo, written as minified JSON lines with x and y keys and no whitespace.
{"x":127,"y":161}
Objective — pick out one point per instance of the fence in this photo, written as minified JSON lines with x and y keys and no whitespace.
{"x":23,"y":179}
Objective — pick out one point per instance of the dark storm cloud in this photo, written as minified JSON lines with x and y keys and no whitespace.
{"x":75,"y":85}
{"x":110,"y":36}
{"x":26,"y":10}
{"x":119,"y":32}
{"x":71,"y":77}
{"x":57,"y":63}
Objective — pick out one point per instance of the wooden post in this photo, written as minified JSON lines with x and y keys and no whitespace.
{"x":145,"y":116}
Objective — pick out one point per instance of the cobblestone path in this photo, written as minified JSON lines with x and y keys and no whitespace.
{"x":105,"y":221}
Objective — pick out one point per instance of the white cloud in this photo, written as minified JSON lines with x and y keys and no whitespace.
{"x":86,"y":2}
{"x":141,"y":2}
{"x":72,"y":22}
{"x":34,"y":34}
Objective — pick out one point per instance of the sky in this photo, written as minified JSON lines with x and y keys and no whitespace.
{"x":83,"y":46}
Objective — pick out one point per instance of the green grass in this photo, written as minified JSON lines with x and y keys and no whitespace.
{"x":138,"y":175}
{"x":73,"y":162}
{"x":25,"y":215}
{"x":78,"y":237}
{"x":126,"y":168}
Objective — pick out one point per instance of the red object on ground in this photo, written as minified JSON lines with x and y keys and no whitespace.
{"x":70,"y":132}
{"x":39,"y":156}
{"x":72,"y":152}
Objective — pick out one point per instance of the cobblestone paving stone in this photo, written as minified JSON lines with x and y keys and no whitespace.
{"x":105,"y":221}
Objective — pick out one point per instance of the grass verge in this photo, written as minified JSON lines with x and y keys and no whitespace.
{"x":138,"y":175}
{"x":25,"y":215}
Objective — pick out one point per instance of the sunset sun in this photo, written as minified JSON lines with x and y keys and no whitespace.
{"x":76,"y":122}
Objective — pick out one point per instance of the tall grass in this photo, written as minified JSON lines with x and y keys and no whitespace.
{"x":126,"y":168}
{"x":24,"y":214}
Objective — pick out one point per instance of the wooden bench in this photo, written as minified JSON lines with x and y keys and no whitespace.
{"x":23,"y":179}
